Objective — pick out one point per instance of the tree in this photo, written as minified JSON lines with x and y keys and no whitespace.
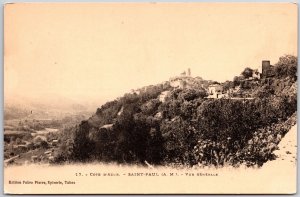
{"x":83,"y":147}
{"x":179,"y":140}
{"x":191,"y":94}
{"x":150,"y":107}
{"x":227,"y":85}
{"x":286,"y":66}
{"x":248,"y":72}
{"x":236,"y":81}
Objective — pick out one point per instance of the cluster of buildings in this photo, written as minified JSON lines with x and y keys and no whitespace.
{"x":215,"y":90}
{"x":267,"y":71}
{"x":181,"y":81}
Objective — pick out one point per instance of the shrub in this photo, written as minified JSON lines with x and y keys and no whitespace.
{"x":44,"y":144}
{"x":83,"y":147}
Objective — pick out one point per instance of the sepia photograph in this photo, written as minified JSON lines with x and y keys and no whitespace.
{"x":150,"y":98}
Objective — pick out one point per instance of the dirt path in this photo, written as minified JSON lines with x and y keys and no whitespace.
{"x":287,"y":153}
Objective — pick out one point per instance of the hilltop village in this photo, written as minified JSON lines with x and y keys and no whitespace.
{"x":216,"y":90}
{"x":190,"y":121}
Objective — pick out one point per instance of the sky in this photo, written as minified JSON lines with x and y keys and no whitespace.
{"x":95,"y":52}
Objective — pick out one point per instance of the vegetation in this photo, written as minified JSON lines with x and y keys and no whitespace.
{"x":187,"y":128}
{"x":247,"y":72}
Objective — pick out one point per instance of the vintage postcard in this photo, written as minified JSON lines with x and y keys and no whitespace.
{"x":150,"y":98}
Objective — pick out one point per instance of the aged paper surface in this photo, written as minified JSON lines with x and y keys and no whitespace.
{"x":150,"y":98}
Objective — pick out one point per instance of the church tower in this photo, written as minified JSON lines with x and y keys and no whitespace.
{"x":189,"y":72}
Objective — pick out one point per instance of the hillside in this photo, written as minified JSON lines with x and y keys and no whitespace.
{"x":168,"y":125}
{"x":183,"y":126}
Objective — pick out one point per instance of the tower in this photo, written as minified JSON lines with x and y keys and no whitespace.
{"x":265,"y":67}
{"x":189,"y":72}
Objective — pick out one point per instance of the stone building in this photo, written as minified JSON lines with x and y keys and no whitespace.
{"x":182,"y":80}
{"x":267,"y":69}
{"x":256,"y":74}
{"x":215,"y":90}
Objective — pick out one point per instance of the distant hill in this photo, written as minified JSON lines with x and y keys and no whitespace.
{"x":27,"y":109}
